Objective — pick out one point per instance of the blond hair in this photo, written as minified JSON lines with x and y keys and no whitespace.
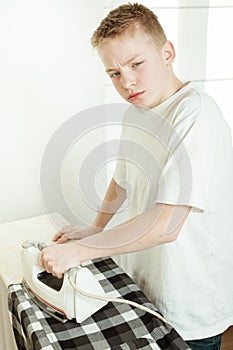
{"x":129,"y":17}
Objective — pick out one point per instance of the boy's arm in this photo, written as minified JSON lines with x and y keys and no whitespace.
{"x":114,"y":198}
{"x":159,"y":225}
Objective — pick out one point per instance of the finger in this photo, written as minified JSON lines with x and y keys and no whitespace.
{"x":57,"y":236}
{"x":40,"y":260}
{"x":54,"y":269}
{"x":63,"y":239}
{"x":48,"y":266}
{"x":44,"y":259}
{"x":57,"y":274}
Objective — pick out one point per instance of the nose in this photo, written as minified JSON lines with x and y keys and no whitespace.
{"x":128,"y":80}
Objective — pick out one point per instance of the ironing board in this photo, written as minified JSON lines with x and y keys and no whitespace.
{"x":116,"y":326}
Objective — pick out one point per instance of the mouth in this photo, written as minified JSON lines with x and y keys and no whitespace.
{"x":136,"y":95}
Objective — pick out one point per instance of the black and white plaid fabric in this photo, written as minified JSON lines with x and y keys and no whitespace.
{"x":116,"y":326}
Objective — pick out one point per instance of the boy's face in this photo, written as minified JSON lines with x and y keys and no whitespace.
{"x":140,"y":71}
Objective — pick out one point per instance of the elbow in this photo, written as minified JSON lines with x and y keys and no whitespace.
{"x":171,"y":228}
{"x":169,"y":237}
{"x":157,"y":237}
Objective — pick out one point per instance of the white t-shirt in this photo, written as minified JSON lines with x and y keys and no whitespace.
{"x":181,"y":153}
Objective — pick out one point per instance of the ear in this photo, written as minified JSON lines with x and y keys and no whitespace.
{"x":168,"y":52}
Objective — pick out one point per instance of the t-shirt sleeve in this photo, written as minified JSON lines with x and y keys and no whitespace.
{"x":181,"y":180}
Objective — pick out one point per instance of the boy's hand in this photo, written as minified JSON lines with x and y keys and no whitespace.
{"x":57,"y":259}
{"x":75,"y":232}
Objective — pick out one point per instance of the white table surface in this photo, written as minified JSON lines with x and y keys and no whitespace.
{"x":12,"y":235}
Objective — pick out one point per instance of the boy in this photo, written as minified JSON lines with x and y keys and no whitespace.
{"x":179,"y":235}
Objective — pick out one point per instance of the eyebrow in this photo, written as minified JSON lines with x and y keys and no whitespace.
{"x":128,"y":61}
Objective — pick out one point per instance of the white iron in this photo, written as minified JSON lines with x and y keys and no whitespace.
{"x":57,"y":296}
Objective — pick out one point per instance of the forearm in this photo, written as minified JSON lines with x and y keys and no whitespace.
{"x":154,"y":227}
{"x":114,"y":198}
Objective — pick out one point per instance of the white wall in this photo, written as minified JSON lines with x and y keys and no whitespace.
{"x":219,"y":68}
{"x":48,"y":73}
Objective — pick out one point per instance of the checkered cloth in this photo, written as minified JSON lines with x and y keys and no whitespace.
{"x":116,"y":326}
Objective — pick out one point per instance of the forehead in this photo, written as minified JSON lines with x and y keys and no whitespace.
{"x":125,"y":46}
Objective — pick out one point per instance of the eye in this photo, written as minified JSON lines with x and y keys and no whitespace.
{"x":137,"y":64}
{"x":114,"y":74}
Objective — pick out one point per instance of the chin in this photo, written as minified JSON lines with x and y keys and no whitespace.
{"x":139,"y":104}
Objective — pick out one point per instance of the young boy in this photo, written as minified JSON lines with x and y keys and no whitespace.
{"x":179,"y":235}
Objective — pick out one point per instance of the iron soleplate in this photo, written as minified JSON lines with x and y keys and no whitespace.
{"x":48,"y":309}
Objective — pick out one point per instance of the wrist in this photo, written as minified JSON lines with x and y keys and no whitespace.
{"x":98,"y":226}
{"x":84,"y":252}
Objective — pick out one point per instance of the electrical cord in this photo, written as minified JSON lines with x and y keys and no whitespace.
{"x":115,"y":300}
